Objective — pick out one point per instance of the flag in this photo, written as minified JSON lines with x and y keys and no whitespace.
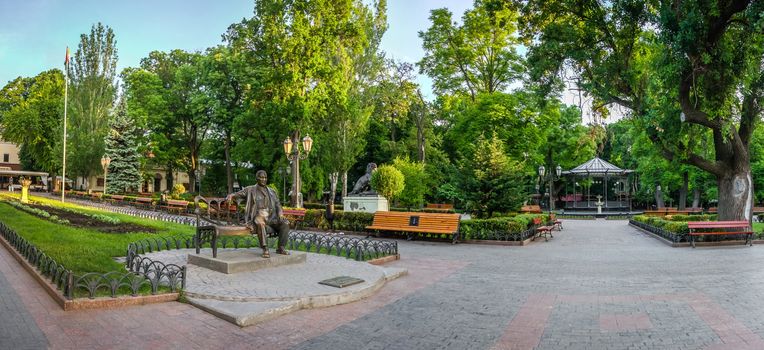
{"x":66,"y":60}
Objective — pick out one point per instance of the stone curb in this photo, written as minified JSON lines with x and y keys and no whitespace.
{"x":248,"y":313}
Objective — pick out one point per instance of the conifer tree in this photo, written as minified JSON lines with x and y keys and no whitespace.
{"x":124,"y":174}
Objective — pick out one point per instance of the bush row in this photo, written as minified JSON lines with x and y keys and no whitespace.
{"x":488,"y":229}
{"x":678,"y":227}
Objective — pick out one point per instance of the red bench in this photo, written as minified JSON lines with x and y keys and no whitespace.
{"x":542,"y":231}
{"x":144,"y":202}
{"x":720,"y":228}
{"x":295,"y":216}
{"x":174,"y":205}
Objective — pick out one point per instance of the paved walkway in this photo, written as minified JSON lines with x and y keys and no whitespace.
{"x":596,"y":285}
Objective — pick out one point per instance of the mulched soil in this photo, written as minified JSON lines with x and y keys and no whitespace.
{"x":82,"y":221}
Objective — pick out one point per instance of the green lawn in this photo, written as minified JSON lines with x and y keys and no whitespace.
{"x":82,"y":250}
{"x":758,"y":226}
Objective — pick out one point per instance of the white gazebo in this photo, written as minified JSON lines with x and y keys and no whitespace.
{"x":597,"y":180}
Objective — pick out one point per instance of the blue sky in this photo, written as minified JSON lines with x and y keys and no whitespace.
{"x":34,"y":33}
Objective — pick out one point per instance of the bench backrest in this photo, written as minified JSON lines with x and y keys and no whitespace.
{"x":294,"y":212}
{"x":176,"y":202}
{"x":144,"y":199}
{"x":117,"y":197}
{"x":531,"y":208}
{"x":439,"y":206}
{"x":718,"y":224}
{"x":422,"y":221}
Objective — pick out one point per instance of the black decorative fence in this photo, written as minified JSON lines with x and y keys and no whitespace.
{"x":340,"y":245}
{"x":144,"y":273}
{"x":59,"y":275}
{"x":669,"y":235}
{"x":141,"y":213}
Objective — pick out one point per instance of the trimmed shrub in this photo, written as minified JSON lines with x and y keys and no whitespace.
{"x":487,"y":228}
{"x":348,"y":221}
{"x":387,"y":181}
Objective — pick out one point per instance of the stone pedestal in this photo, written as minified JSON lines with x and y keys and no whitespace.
{"x":244,"y":260}
{"x":25,"y":190}
{"x":369,"y":204}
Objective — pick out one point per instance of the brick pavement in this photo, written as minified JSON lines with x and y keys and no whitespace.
{"x":596,"y":285}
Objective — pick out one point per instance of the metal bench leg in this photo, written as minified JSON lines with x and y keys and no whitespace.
{"x":692,"y":241}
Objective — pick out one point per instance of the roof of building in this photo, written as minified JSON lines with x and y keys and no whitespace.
{"x":597,"y":167}
{"x":22,"y":173}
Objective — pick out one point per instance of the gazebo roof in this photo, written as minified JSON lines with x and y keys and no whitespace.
{"x":597,"y":167}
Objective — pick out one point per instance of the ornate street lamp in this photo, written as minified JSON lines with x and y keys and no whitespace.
{"x":552,"y":176}
{"x":293,"y":154}
{"x":105,"y":161}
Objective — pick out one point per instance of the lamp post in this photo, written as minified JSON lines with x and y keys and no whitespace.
{"x":558,"y":173}
{"x":105,"y":161}
{"x":292,"y":150}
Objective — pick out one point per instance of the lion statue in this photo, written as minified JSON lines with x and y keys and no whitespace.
{"x":363,"y":185}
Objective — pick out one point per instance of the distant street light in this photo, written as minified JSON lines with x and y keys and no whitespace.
{"x":105,"y":161}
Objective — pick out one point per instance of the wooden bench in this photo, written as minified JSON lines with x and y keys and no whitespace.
{"x":116,"y":198}
{"x":144,"y":202}
{"x":174,"y":205}
{"x":295,"y":216}
{"x":440,"y":207}
{"x":419,"y":223}
{"x":555,"y":222}
{"x":533,"y":209}
{"x":543,"y":230}
{"x":214,"y":229}
{"x":720,"y":228}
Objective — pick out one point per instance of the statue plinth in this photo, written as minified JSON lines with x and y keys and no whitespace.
{"x":244,"y":260}
{"x":368,"y":204}
{"x":25,"y":190}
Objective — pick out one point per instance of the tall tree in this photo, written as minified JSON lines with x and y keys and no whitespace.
{"x":124,"y":170}
{"x":30,"y":115}
{"x":93,"y":89}
{"x":689,"y":66}
{"x":294,"y":45}
{"x":228,"y":81}
{"x":185,"y":123}
{"x":477,"y":57}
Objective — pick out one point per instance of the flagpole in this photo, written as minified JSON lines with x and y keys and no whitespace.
{"x":66,"y":97}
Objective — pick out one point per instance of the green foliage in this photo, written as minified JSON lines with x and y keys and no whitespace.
{"x":124,"y":175}
{"x":82,"y":250}
{"x":343,"y":220}
{"x":30,"y":114}
{"x":491,"y":180}
{"x":92,"y":91}
{"x":388,"y":181}
{"x":677,"y":227}
{"x":415,"y":179}
{"x":480,"y":56}
{"x":38,"y":212}
{"x":487,"y":228}
{"x":690,"y":72}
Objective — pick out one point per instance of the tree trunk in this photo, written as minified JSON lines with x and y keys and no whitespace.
{"x":683,"y":191}
{"x":228,"y":171}
{"x":735,"y":194}
{"x":695,"y":197}
{"x":659,"y":198}
{"x":344,"y":185}
{"x":170,"y":179}
{"x":333,"y":177}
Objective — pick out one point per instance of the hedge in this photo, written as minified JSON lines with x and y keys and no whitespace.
{"x":490,"y":229}
{"x":677,"y":227}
